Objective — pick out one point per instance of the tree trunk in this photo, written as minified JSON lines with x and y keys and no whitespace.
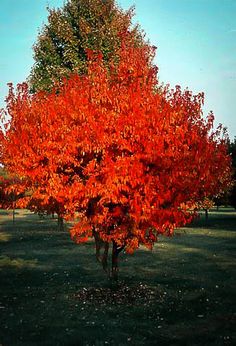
{"x":13,"y":211}
{"x":60,"y":223}
{"x":105,"y":256}
{"x":114,"y":266}
{"x":99,"y":243}
{"x":13,"y":215}
{"x":206,"y":214}
{"x":103,"y":259}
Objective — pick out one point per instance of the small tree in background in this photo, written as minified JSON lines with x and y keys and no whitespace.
{"x":11,"y":192}
{"x":113,"y":148}
{"x":206,"y":205}
{"x":71,"y":30}
{"x":232,"y":151}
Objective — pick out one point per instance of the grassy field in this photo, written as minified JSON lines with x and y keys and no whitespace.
{"x":52,"y":292}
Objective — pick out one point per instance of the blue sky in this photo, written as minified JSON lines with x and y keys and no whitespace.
{"x":196,"y":42}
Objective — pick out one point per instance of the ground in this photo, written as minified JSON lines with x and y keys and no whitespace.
{"x":52,"y":292}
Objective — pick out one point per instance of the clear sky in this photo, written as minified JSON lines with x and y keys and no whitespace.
{"x":196,"y":42}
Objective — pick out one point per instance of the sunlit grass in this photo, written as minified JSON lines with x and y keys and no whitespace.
{"x":4,"y":237}
{"x":18,"y":263}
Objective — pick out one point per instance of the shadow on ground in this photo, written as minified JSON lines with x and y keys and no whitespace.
{"x":54,"y":293}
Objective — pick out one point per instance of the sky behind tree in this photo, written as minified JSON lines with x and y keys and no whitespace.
{"x":195,"y":39}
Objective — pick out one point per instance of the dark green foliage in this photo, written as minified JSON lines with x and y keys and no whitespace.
{"x":232,"y":151}
{"x":3,"y":173}
{"x":229,"y":196}
{"x":71,"y":30}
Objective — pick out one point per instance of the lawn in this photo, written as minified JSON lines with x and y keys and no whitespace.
{"x":52,"y":292}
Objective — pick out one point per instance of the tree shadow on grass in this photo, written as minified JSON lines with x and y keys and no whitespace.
{"x":54,"y":293}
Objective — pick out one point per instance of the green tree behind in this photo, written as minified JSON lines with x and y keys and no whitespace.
{"x":71,"y":30}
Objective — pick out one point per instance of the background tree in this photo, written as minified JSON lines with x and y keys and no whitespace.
{"x":11,"y":192}
{"x":228,"y":197}
{"x":222,"y":199}
{"x":206,"y":204}
{"x":232,"y":151}
{"x":118,"y":152}
{"x":71,"y":30}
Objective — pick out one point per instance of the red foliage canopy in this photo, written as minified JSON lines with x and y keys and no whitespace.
{"x":115,"y":147}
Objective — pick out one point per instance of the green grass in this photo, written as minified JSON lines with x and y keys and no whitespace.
{"x":52,"y":292}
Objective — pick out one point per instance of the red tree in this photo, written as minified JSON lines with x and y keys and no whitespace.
{"x":11,"y":193}
{"x":119,"y":151}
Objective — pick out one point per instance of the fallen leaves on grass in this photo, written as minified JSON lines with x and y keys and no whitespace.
{"x":119,"y":295}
